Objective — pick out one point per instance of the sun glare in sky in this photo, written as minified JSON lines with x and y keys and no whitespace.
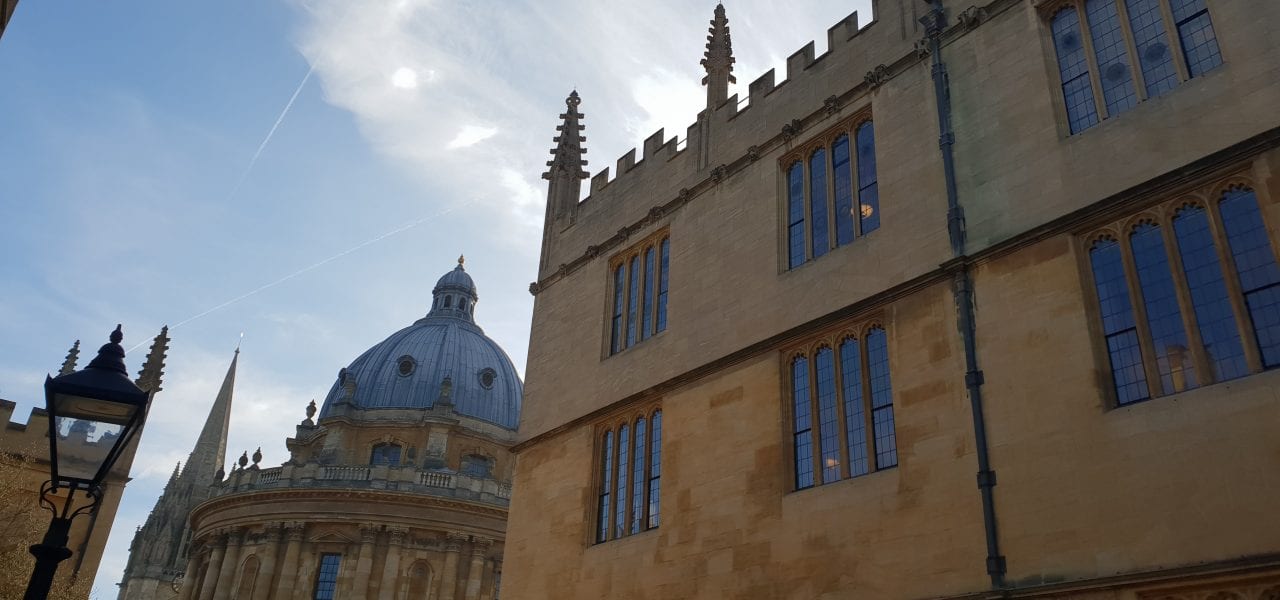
{"x":405,"y":78}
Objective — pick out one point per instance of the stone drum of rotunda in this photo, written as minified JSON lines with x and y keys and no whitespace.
{"x":399,"y":489}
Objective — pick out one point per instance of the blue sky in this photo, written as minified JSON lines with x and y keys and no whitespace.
{"x":129,"y":191}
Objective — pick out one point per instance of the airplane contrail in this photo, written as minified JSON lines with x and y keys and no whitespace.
{"x":265,"y":140}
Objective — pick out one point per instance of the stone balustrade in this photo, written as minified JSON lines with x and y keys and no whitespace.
{"x":385,"y":477}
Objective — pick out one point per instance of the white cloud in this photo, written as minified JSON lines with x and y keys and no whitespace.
{"x":471,"y":135}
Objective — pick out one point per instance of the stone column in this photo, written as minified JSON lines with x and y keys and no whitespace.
{"x":289,"y":566}
{"x":190,"y":576}
{"x":219,"y":546}
{"x":364,"y":563}
{"x":493,"y":570}
{"x":475,"y":574}
{"x":230,"y":564}
{"x":267,"y":568}
{"x":391,"y":566}
{"x":449,"y":574}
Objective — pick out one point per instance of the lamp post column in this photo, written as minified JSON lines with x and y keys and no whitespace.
{"x":49,"y":552}
{"x":289,"y":570}
{"x":219,"y":544}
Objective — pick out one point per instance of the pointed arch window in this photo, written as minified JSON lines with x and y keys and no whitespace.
{"x":1188,"y":297}
{"x":630,"y":471}
{"x":1120,"y":53}
{"x":639,"y":283}
{"x":838,"y":395}
{"x":822,"y":181}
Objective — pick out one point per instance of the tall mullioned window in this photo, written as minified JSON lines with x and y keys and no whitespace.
{"x":1113,"y":54}
{"x":327,"y":577}
{"x":822,"y":181}
{"x":842,"y":408}
{"x":1188,"y":294}
{"x":630,"y":470}
{"x":639,"y":278}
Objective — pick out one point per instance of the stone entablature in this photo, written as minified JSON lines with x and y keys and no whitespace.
{"x":374,"y":477}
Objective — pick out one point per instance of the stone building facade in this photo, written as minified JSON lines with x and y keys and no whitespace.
{"x":30,"y":442}
{"x":158,"y":552}
{"x":397,"y":489}
{"x":1014,"y":336}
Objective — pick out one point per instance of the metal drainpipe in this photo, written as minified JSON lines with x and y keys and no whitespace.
{"x":934,"y":22}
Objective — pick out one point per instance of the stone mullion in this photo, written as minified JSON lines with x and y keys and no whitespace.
{"x":868,"y":405}
{"x":1146,"y":345}
{"x":1131,"y":45}
{"x":842,"y":423}
{"x":1095,"y":76}
{"x":1186,"y":306}
{"x":832,"y":235}
{"x":1175,"y":42}
{"x":1235,"y":294}
{"x":815,"y":420}
{"x":1265,"y":194}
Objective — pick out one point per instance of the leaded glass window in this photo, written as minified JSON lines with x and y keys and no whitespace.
{"x":385,"y":454}
{"x":640,"y":279}
{"x":795,"y":215}
{"x":630,"y":471}
{"x":1190,"y":298}
{"x":848,"y":390}
{"x":327,"y":576}
{"x":1130,"y":55}
{"x":823,"y":180}
{"x":818,"y":205}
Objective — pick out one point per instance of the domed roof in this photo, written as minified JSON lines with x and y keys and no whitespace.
{"x":443,"y":358}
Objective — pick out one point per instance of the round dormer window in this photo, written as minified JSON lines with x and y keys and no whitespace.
{"x":406,"y":365}
{"x":487,"y":376}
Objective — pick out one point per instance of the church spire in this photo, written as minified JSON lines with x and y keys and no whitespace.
{"x":210,"y":451}
{"x":718,"y":60}
{"x":566,"y":168}
{"x":69,"y":364}
{"x":152,"y":373}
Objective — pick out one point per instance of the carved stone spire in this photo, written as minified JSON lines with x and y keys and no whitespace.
{"x":718,"y":60}
{"x":152,"y":373}
{"x":210,"y":452}
{"x":69,"y":365}
{"x":566,"y":170}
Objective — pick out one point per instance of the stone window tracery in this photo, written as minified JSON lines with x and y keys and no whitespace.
{"x":629,"y":475}
{"x":821,"y":181}
{"x":639,"y":282}
{"x":841,"y":405}
{"x":1187,"y":293}
{"x":1113,"y":54}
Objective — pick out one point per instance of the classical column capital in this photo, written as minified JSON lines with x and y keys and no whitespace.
{"x":294,"y":530}
{"x":369,"y":533}
{"x":480,"y":545}
{"x":235,"y":536}
{"x":273,"y":531}
{"x":397,"y":535}
{"x":453,"y":541}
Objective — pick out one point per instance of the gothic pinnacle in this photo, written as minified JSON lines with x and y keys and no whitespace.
{"x":567,"y":155}
{"x":152,"y":373}
{"x":718,"y":59}
{"x":69,"y":364}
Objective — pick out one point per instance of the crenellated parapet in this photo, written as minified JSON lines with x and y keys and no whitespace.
{"x":775,"y":115}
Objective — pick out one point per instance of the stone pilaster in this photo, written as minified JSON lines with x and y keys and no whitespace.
{"x":493,"y":569}
{"x":364,"y":562}
{"x":391,"y":566}
{"x":267,"y":569}
{"x":218,"y":547}
{"x":475,"y":574}
{"x":289,"y":566}
{"x":190,"y":576}
{"x":449,"y":574}
{"x":227,"y":575}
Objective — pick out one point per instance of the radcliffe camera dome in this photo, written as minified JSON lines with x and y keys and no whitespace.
{"x":443,"y":358}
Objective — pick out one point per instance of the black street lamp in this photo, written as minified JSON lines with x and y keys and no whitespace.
{"x":93,"y":413}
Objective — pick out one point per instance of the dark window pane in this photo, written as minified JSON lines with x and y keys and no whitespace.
{"x":1164,"y":316}
{"x":1117,"y":322}
{"x":818,"y":202}
{"x":795,"y":215}
{"x":664,"y":260}
{"x":327,"y":576}
{"x":655,"y":467}
{"x":619,"y":288}
{"x":633,"y":300}
{"x":385,"y":454}
{"x":477,"y":466}
{"x":1152,"y":43}
{"x":842,"y":177}
{"x":803,"y":438}
{"x":620,"y":510}
{"x":1195,"y":30}
{"x":1112,"y":56}
{"x":1073,"y":67}
{"x":828,"y":423}
{"x":649,"y":288}
{"x":1214,"y":317}
{"x":606,"y":487}
{"x":881,"y":399}
{"x":1256,"y":267}
{"x":855,"y":419}
{"x":868,"y":190}
{"x":638,"y":480}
